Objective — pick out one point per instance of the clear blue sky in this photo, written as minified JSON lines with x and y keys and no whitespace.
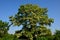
{"x":10,"y":7}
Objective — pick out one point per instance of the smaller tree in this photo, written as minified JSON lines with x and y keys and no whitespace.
{"x":3,"y":28}
{"x":57,"y":35}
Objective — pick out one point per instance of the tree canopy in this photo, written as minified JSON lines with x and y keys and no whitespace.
{"x":32,"y":14}
{"x":34,"y":19}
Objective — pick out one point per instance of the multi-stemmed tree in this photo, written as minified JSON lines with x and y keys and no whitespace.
{"x":34,"y":20}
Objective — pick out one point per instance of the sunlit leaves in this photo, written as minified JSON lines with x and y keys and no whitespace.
{"x":3,"y":28}
{"x":29,"y":16}
{"x":34,"y":12}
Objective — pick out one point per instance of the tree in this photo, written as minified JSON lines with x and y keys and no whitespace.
{"x":57,"y":35}
{"x":3,"y":28}
{"x":34,"y":19}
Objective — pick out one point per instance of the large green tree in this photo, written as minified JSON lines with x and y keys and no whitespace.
{"x":34,"y":20}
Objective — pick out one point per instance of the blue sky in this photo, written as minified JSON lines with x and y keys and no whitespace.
{"x":10,"y":7}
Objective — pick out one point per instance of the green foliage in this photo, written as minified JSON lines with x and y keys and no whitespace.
{"x":57,"y":35}
{"x":34,"y":20}
{"x":4,"y":32}
{"x":42,"y":38}
{"x":29,"y":16}
{"x":3,"y":24}
{"x":9,"y":37}
{"x":32,"y":14}
{"x":3,"y":28}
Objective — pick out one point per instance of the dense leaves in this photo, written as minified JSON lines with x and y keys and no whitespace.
{"x":32,"y":14}
{"x":34,"y":19}
{"x":57,"y":35}
{"x":4,"y":32}
{"x":8,"y":37}
{"x":3,"y":28}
